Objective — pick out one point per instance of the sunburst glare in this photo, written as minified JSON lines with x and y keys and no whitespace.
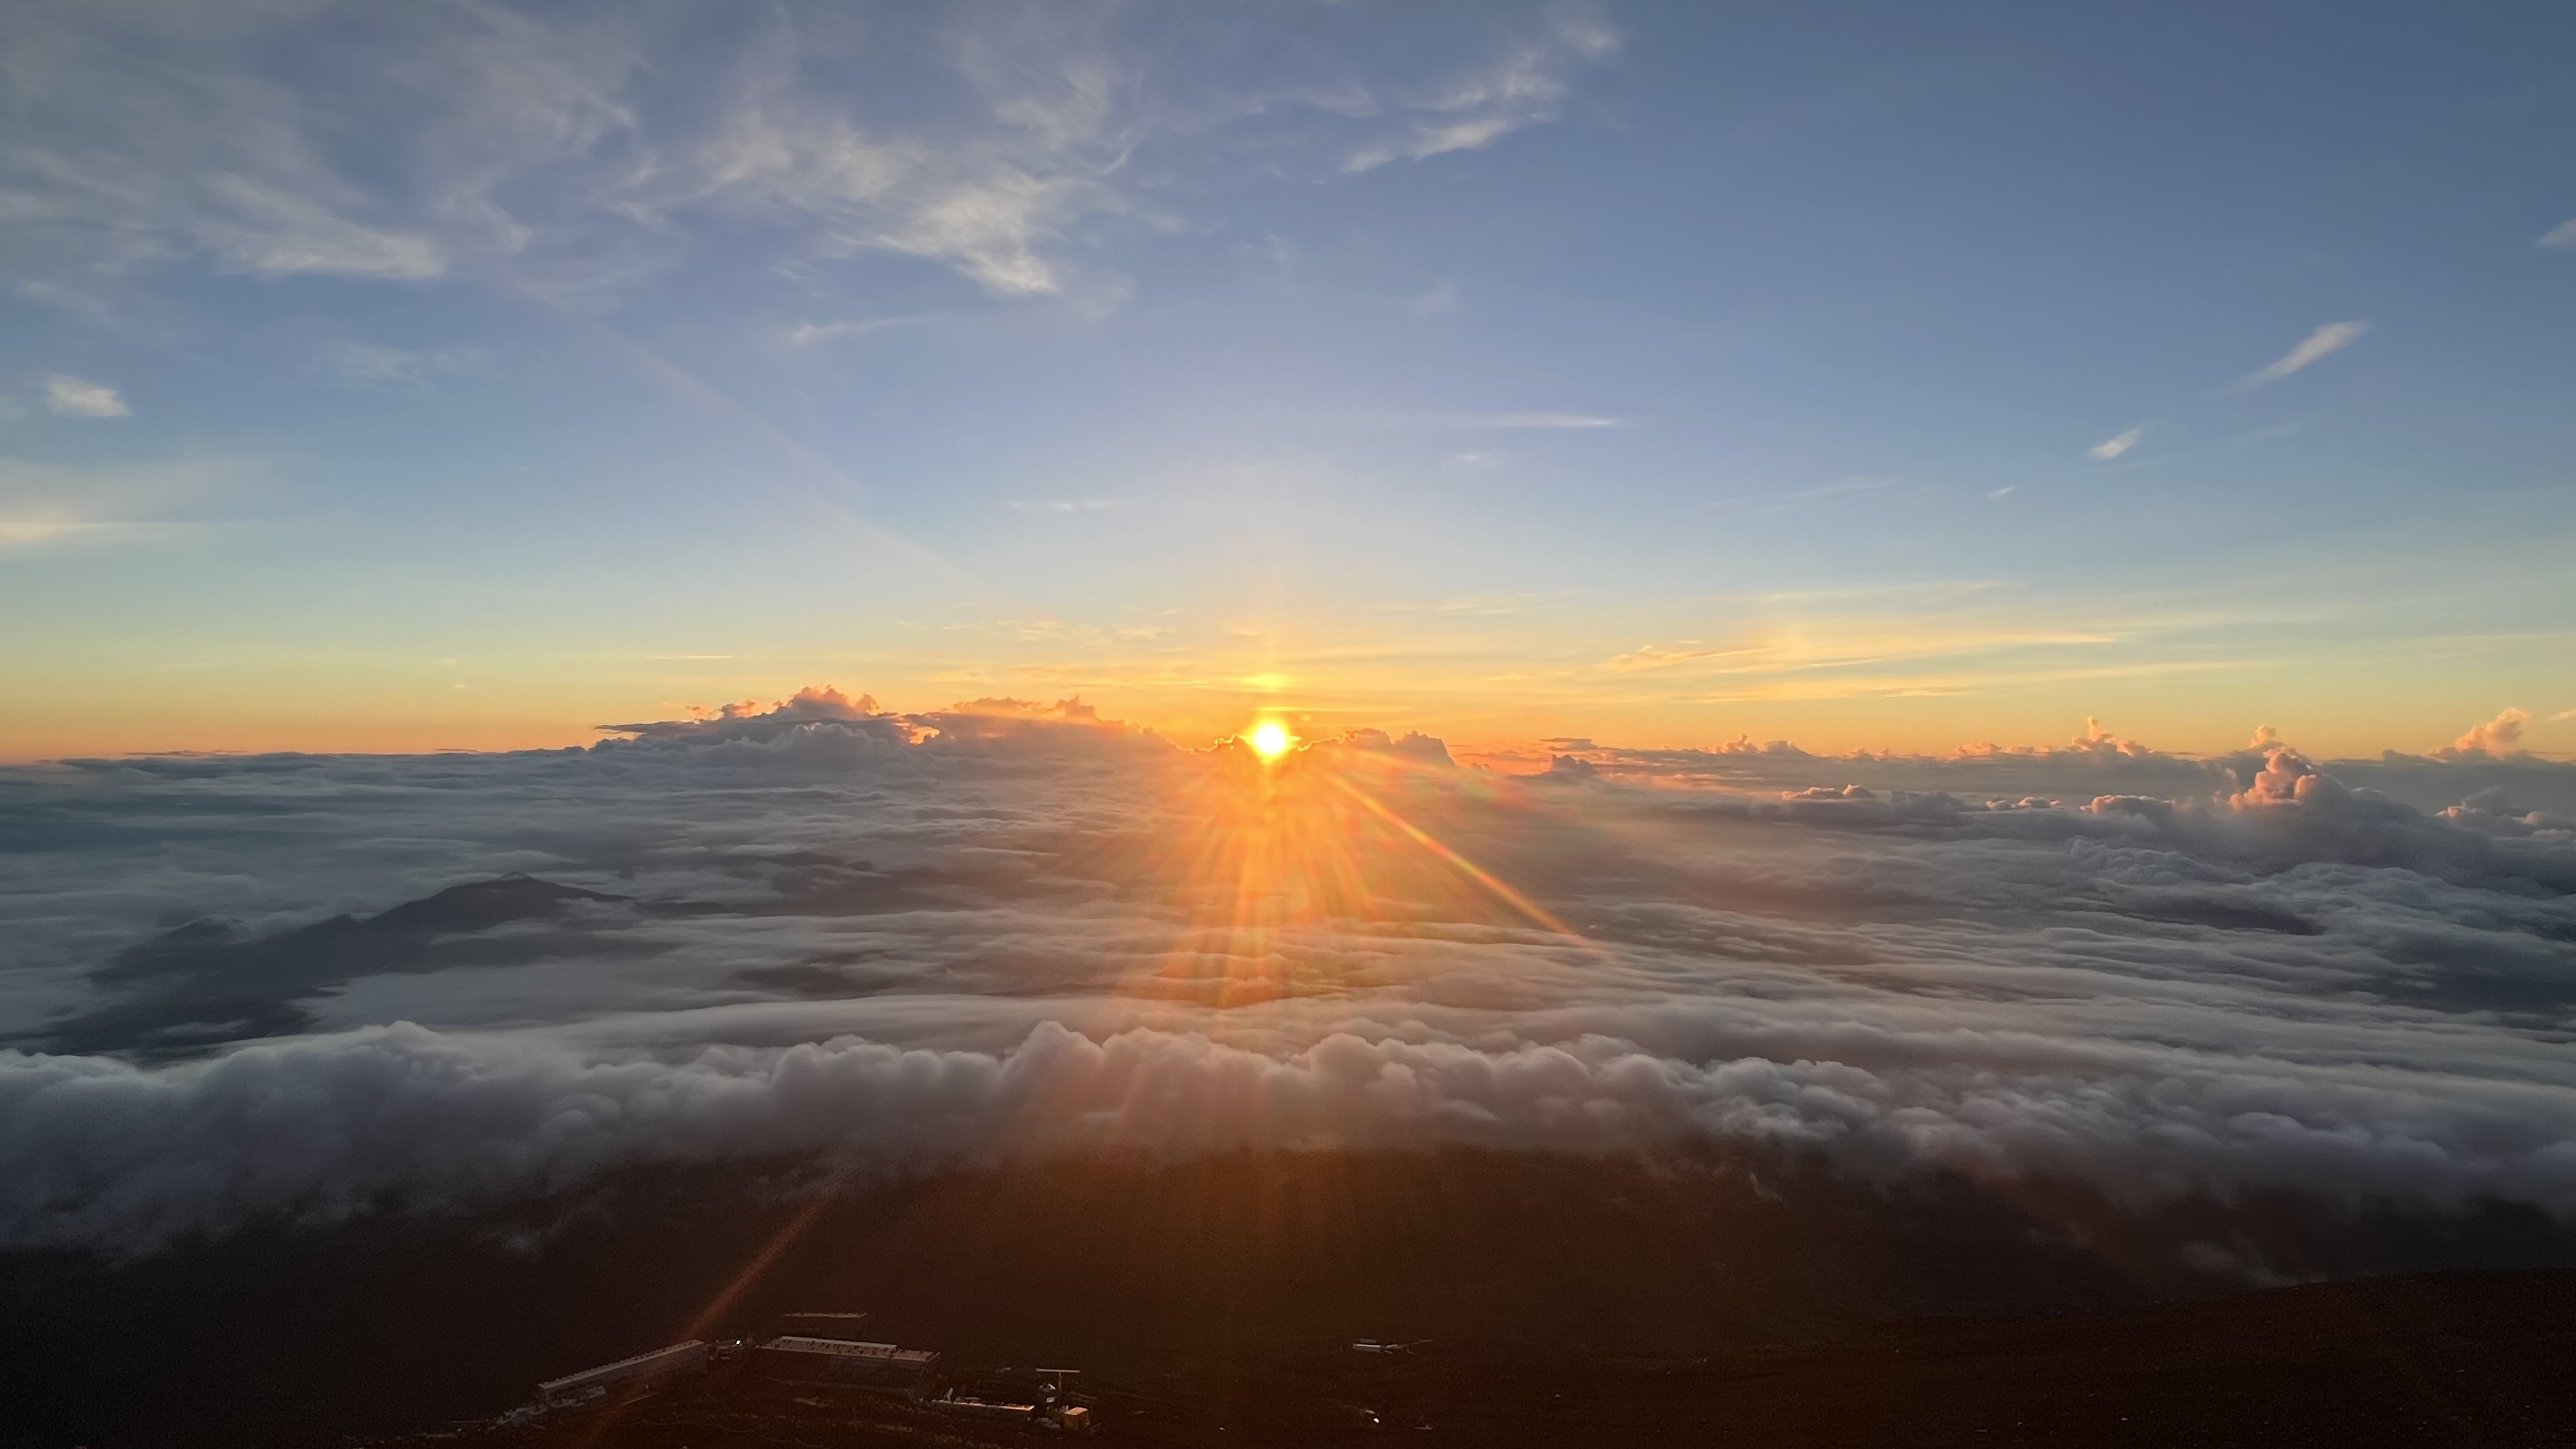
{"x":1270,"y":739}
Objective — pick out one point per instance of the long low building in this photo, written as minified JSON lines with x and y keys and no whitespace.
{"x":573,"y":1388}
{"x":873,"y":1365}
{"x":843,"y":1326}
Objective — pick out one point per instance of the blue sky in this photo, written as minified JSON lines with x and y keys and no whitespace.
{"x":468,"y":375}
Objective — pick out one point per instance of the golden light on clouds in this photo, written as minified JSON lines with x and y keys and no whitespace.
{"x":1293,"y":867}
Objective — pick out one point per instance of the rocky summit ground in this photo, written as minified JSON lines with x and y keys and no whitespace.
{"x":2442,"y":1359}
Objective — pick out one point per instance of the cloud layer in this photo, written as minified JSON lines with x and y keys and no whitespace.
{"x":297,"y":984}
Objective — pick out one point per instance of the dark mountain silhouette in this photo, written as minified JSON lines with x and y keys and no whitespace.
{"x":205,"y":983}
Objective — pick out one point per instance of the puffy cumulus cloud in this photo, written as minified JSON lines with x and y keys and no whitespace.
{"x":1412,"y":745}
{"x":2499,"y":736}
{"x":2097,"y":761}
{"x":817,"y":716}
{"x":2492,"y":812}
{"x":298,"y":984}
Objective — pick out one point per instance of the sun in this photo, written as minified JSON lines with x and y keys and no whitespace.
{"x":1269,"y":739}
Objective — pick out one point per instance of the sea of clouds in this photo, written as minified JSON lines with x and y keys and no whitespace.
{"x":303,"y":985}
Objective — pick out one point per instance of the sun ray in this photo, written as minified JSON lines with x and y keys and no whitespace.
{"x":1502,"y":890}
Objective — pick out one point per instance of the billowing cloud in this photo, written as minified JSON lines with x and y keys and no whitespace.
{"x":2501,"y":735}
{"x":2326,"y":341}
{"x":73,"y":397}
{"x":295,"y":984}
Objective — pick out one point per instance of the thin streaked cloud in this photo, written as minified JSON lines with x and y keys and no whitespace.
{"x":542,"y":154}
{"x":1526,"y":86}
{"x":1842,"y":489}
{"x":2326,"y":341}
{"x":1540,"y":420}
{"x":1069,"y":505}
{"x":806,"y":333}
{"x":2110,"y":448}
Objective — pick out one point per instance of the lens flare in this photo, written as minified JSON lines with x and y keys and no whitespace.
{"x":1269,"y":739}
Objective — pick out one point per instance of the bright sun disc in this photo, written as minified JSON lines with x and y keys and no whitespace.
{"x":1269,"y":739}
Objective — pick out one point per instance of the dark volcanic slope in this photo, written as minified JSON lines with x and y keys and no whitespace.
{"x":1223,"y":1268}
{"x":2436,"y":1360}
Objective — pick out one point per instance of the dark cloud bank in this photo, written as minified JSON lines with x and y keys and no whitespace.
{"x":294,"y":987}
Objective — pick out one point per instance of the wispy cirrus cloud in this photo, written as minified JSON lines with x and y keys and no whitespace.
{"x":1525,"y":87}
{"x":986,"y":210}
{"x":1537,"y":420}
{"x":1840,"y":488}
{"x":34,"y":530}
{"x":1010,"y":145}
{"x":1437,"y":300}
{"x":1070,"y":505}
{"x":2561,"y":237}
{"x":805,"y":334}
{"x":2326,"y":341}
{"x":2113,"y":447}
{"x":1646,"y":657}
{"x":370,"y":365}
{"x":49,"y":504}
{"x":258,"y":227}
{"x":148,"y":139}
{"x":73,"y":397}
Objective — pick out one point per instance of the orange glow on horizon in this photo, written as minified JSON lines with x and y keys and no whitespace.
{"x":1270,"y":739}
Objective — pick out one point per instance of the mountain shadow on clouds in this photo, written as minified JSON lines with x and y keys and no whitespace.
{"x":204,"y":983}
{"x":2214,"y":912}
